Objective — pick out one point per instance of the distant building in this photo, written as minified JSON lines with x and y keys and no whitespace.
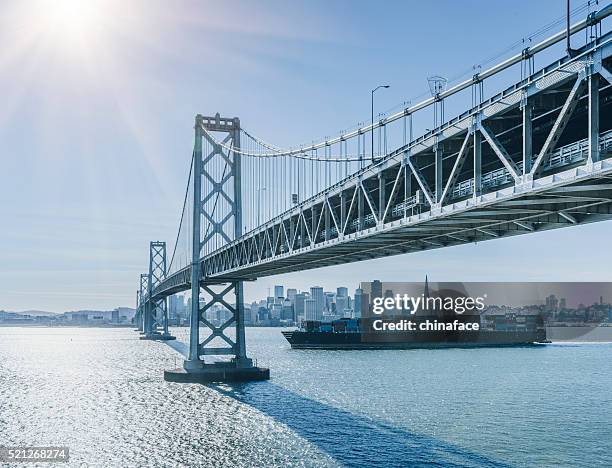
{"x":329,"y":301}
{"x":126,"y":314}
{"x":316,"y":294}
{"x":263,"y":314}
{"x":279,"y":291}
{"x":291,"y":293}
{"x":276,"y":311}
{"x":299,"y":306}
{"x":365,"y":305}
{"x":341,"y":292}
{"x":176,"y":307}
{"x":287,"y":312}
{"x":248,"y":315}
{"x":358,"y":298}
{"x":377,"y":291}
{"x":93,"y":317}
{"x":312,"y":312}
{"x":552,"y":303}
{"x":342,"y":304}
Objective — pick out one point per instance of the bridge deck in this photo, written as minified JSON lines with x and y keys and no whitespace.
{"x":421,"y":196}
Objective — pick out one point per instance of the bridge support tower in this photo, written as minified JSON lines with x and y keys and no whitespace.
{"x":138,"y":314}
{"x":156,"y":310}
{"x":216,"y":199}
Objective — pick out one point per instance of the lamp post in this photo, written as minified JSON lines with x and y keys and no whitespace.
{"x":373,"y":91}
{"x":570,"y":52}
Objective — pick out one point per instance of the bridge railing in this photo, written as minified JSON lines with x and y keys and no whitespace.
{"x":573,"y":153}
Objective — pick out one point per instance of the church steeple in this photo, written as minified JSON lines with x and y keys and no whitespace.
{"x":426,"y":291}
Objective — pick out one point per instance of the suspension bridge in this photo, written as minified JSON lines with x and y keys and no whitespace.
{"x":531,"y":157}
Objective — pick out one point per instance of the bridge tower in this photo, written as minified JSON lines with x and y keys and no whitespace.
{"x":142,"y":294}
{"x":156,"y":309}
{"x":216,"y":201}
{"x":138,"y":314}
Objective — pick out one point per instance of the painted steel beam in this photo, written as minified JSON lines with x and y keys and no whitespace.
{"x":454,"y":174}
{"x":559,"y":125}
{"x":501,"y":153}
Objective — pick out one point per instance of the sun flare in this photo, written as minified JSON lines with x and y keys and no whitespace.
{"x":69,"y":23}
{"x":73,"y":17}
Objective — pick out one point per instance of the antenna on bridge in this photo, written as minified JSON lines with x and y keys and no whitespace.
{"x":437,"y":84}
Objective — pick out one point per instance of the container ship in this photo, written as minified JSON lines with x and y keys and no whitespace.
{"x":350,"y":333}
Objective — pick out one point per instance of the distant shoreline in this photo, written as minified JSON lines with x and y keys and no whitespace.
{"x":590,"y":334}
{"x":65,"y":325}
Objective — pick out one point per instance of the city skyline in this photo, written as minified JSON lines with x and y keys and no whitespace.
{"x":289,"y":306}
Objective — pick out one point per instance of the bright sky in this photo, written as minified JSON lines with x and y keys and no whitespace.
{"x":96,"y":127}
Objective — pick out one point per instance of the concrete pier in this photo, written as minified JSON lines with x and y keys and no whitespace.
{"x":158,"y":337}
{"x":217,"y":372}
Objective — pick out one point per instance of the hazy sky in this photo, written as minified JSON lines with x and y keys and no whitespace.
{"x":96,"y":127}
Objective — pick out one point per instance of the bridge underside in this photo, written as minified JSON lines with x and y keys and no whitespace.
{"x":494,"y":216}
{"x":532,"y":158}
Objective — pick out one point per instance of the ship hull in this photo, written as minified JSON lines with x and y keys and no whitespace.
{"x":348,"y":341}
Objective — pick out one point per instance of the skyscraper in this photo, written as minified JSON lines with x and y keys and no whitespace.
{"x":365,"y":304}
{"x":329,"y":301}
{"x":377,"y":289}
{"x":342,"y":291}
{"x":300,"y":306}
{"x":316,"y":294}
{"x":311,"y":311}
{"x":288,"y":313}
{"x":291,"y":294}
{"x":357,"y":309}
{"x":341,"y":305}
{"x":176,"y":306}
{"x":279,"y":292}
{"x":253,"y":315}
{"x":276,"y":311}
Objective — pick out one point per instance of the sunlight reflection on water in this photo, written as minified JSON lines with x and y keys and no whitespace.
{"x":101,"y":392}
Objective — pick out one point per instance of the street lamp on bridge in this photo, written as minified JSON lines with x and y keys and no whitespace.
{"x":373,"y":91}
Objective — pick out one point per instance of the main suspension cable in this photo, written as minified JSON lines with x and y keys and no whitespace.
{"x":183,"y":211}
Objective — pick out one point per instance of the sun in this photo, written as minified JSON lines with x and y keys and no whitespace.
{"x":69,"y":23}
{"x":73,"y":18}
